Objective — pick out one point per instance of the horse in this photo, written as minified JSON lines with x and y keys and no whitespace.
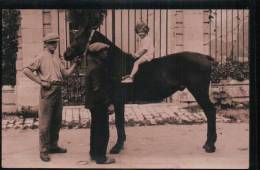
{"x":155,"y":80}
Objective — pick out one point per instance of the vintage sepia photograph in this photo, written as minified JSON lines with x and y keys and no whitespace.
{"x":125,"y":88}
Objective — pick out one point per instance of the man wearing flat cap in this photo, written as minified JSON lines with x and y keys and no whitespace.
{"x":50,"y":71}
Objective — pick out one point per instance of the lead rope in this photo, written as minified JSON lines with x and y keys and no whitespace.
{"x":77,"y":74}
{"x":87,"y":45}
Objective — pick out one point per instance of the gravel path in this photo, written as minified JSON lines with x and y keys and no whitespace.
{"x":162,"y":146}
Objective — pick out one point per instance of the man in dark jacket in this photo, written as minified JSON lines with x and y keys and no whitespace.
{"x":98,"y":101}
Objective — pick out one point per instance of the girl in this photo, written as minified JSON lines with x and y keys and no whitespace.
{"x":145,"y":52}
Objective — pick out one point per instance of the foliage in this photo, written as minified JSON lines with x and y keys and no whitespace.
{"x":233,"y":69}
{"x":223,"y":100}
{"x":74,"y":92}
{"x":10,"y":27}
{"x":25,"y":112}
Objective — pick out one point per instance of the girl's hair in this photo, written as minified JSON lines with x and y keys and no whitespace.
{"x":141,"y":27}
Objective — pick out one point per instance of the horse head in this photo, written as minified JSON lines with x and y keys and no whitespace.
{"x":112,"y":57}
{"x":87,"y":19}
{"x":84,"y":21}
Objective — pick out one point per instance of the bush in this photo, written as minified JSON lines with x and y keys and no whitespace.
{"x":233,"y":69}
{"x":222,"y":100}
{"x":10,"y":27}
{"x":25,"y":112}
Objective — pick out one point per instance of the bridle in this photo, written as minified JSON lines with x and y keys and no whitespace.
{"x":84,"y":55}
{"x":88,"y":42}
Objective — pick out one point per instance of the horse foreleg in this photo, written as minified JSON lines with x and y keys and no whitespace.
{"x":120,"y":127}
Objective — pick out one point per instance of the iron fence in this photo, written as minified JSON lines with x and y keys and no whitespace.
{"x":225,"y":38}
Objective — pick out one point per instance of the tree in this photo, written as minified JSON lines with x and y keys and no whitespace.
{"x":10,"y":27}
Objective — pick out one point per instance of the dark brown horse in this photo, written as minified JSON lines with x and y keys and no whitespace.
{"x":154,"y":81}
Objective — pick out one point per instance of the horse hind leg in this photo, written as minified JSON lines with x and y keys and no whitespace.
{"x":120,"y":127}
{"x":202,"y":97}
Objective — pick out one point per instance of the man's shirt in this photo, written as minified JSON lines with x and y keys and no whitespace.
{"x":48,"y":66}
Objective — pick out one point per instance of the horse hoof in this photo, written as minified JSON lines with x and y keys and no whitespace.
{"x":209,"y":149}
{"x":116,"y":149}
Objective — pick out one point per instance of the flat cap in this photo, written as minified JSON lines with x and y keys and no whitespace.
{"x":97,"y":46}
{"x":50,"y":37}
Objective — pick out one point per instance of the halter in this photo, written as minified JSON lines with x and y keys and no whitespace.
{"x":89,"y":39}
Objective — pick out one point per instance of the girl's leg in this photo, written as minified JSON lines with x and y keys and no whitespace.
{"x":136,"y":66}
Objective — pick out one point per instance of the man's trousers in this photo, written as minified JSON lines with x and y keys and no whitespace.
{"x":50,"y":117}
{"x":99,"y":133}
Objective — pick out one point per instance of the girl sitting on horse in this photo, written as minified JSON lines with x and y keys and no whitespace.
{"x":145,"y":52}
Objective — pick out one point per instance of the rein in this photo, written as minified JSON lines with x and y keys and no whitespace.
{"x":89,"y":39}
{"x":84,"y":56}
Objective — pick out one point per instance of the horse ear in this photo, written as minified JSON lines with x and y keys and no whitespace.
{"x":97,"y":46}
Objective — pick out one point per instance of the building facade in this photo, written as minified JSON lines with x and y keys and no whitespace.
{"x":172,"y":31}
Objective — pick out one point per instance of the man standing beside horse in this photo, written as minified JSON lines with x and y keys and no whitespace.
{"x":98,"y":101}
{"x":50,"y":71}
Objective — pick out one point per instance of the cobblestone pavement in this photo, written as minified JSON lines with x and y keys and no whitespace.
{"x":135,"y":115}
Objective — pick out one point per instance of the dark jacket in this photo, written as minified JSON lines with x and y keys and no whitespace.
{"x":98,"y":89}
{"x":98,"y":85}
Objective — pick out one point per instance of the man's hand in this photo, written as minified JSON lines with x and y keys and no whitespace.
{"x":111,"y":109}
{"x":77,"y":60}
{"x":69,"y":71}
{"x":46,"y":84}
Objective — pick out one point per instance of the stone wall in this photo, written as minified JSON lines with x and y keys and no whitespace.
{"x":8,"y":99}
{"x":193,"y":30}
{"x":31,"y":44}
{"x":34,"y":25}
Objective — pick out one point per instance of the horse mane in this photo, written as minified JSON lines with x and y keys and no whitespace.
{"x":99,"y":37}
{"x":120,"y":59}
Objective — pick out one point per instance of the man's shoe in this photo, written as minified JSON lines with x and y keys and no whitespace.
{"x":45,"y":157}
{"x":57,"y":149}
{"x":107,"y":161}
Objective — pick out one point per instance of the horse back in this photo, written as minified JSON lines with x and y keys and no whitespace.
{"x":178,"y":63}
{"x":163,"y":76}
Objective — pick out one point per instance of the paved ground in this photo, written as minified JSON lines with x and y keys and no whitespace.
{"x":162,"y":146}
{"x":135,"y":115}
